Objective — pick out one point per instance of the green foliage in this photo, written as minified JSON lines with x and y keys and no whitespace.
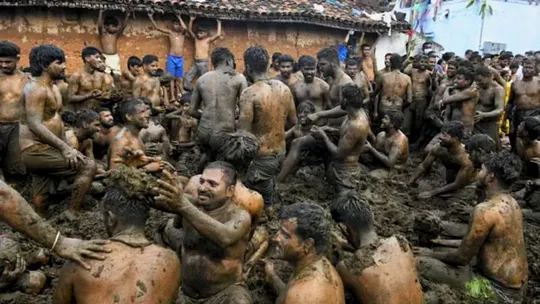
{"x":485,"y":8}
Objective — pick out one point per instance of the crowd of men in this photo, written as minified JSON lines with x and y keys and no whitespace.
{"x":253,"y":130}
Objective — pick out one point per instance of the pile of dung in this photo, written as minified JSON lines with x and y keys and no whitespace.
{"x":134,"y":182}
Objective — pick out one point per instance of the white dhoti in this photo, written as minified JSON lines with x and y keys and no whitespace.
{"x":113,"y":63}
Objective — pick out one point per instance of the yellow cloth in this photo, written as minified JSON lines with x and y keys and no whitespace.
{"x":504,"y":126}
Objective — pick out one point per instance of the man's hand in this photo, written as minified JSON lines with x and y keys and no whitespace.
{"x":479,"y":116}
{"x":170,"y":191}
{"x":72,"y":157}
{"x":9,"y":276}
{"x":155,"y":166}
{"x":317,"y":131}
{"x":313,"y":117}
{"x":77,"y":250}
{"x":366,"y":147}
{"x":95,"y":94}
{"x":425,"y":195}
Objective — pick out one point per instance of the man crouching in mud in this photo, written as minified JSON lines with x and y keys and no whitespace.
{"x":371,"y":283}
{"x":216,"y":233}
{"x":495,"y":237}
{"x":136,"y":268}
{"x":302,"y":239}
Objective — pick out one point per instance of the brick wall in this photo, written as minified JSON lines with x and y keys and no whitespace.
{"x":73,"y":29}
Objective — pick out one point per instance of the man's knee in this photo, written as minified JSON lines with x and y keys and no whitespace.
{"x":89,"y":168}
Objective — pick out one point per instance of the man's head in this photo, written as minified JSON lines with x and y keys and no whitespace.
{"x":476,"y":60}
{"x":452,"y":133}
{"x":91,"y":57}
{"x":351,"y":68}
{"x":504,"y":59}
{"x":432,"y":62}
{"x":237,"y":149}
{"x":121,"y":212}
{"x":87,"y":122}
{"x":176,"y":26}
{"x":275,"y":60}
{"x":304,"y":231}
{"x":48,"y":59}
{"x":217,"y":184}
{"x":111,"y":24}
{"x":529,"y":129}
{"x":528,"y":70}
{"x":396,"y":62}
{"x":150,"y":64}
{"x":500,"y":170}
{"x":387,"y":60}
{"x":255,"y":61}
{"x":514,"y":66}
{"x":185,"y":102}
{"x":353,"y":210}
{"x":352,"y":97}
{"x":422,"y":62}
{"x":222,"y":56}
{"x":427,"y":47}
{"x":308,"y":66}
{"x":102,"y":67}
{"x":464,"y":78}
{"x":105,"y":118}
{"x":487,"y":60}
{"x":134,"y":65}
{"x":392,"y":120}
{"x":303,"y":110}
{"x":478,"y":147}
{"x":449,"y":56}
{"x":286,"y":63}
{"x":328,"y":61}
{"x":366,"y":50}
{"x":451,"y":68}
{"x":202,"y":32}
{"x":468,"y":54}
{"x":9,"y":57}
{"x":484,"y":78}
{"x":134,"y":112}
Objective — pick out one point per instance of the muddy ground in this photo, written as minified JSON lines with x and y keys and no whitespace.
{"x":394,"y":205}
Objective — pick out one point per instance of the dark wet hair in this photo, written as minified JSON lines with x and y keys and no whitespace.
{"x":221,"y":55}
{"x":276,"y":56}
{"x":353,"y":209}
{"x":468,"y":52}
{"x":387,"y":54}
{"x":475,"y":57}
{"x":256,"y":57}
{"x":186,"y":98}
{"x":306,"y":60}
{"x":165,"y":78}
{"x":311,"y":223}
{"x":89,"y":51}
{"x":42,"y":56}
{"x":396,"y":62}
{"x":285,"y":58}
{"x":237,"y":149}
{"x":9,"y":49}
{"x":504,"y":73}
{"x":396,"y":118}
{"x":353,"y":95}
{"x":228,"y":170}
{"x":306,"y":105}
{"x":532,"y":126}
{"x":448,"y":55}
{"x":128,"y":107}
{"x":481,"y":141}
{"x":68,"y":117}
{"x":128,"y":210}
{"x":454,"y":129}
{"x":482,"y":71}
{"x":149,"y":59}
{"x":465,"y":64}
{"x":467,"y":73}
{"x":514,"y":65}
{"x":505,"y":56}
{"x":330,"y":54}
{"x":134,"y":61}
{"x":110,"y":20}
{"x":364,"y":46}
{"x":350,"y":62}
{"x":103,"y":110}
{"x":85,"y":116}
{"x":505,"y":165}
{"x":453,"y":63}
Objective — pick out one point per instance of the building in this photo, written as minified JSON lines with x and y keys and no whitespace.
{"x":295,"y":27}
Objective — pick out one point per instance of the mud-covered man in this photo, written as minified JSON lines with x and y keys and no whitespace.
{"x":460,"y":100}
{"x":12,"y":82}
{"x":134,"y":69}
{"x":217,"y":92}
{"x":216,"y":233}
{"x":87,"y":87}
{"x":266,"y":110}
{"x":328,"y":66}
{"x":371,"y":284}
{"x":109,"y":30}
{"x":494,"y":236}
{"x":490,"y":104}
{"x":106,"y":134}
{"x":394,"y":89}
{"x":302,"y":239}
{"x":286,"y":64}
{"x":135,"y":269}
{"x":273,"y":70}
{"x":311,"y":88}
{"x":147,"y":85}
{"x":354,"y":70}
{"x":45,"y":152}
{"x":85,"y":128}
{"x":451,"y":153}
{"x":423,"y":81}
{"x":183,"y":126}
{"x":155,"y":137}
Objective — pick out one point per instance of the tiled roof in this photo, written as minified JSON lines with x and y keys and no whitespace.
{"x":343,"y":14}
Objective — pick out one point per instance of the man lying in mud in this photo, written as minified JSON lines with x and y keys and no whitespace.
{"x":370,"y":282}
{"x":216,"y":233}
{"x":451,"y":153}
{"x":302,"y":240}
{"x":495,"y":237}
{"x":135,"y":269}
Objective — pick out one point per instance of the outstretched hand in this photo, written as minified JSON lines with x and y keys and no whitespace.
{"x":77,"y":250}
{"x":170,"y":192}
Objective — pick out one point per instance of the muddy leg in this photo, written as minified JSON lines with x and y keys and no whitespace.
{"x":81,"y":185}
{"x":439,"y":272}
{"x":290,"y":165}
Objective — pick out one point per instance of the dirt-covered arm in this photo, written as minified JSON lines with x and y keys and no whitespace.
{"x":463,"y":178}
{"x":346,"y":143}
{"x":245,"y":122}
{"x":100,"y":22}
{"x":425,"y":165}
{"x":73,"y":90}
{"x":218,"y":33}
{"x":194,"y":109}
{"x":388,"y":160}
{"x":460,"y":96}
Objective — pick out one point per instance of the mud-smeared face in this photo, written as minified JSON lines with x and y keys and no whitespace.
{"x":201,"y":34}
{"x":309,"y":72}
{"x":446,"y":140}
{"x":528,"y":70}
{"x":141,"y":116}
{"x":213,"y":190}
{"x":106,"y":119}
{"x":285,"y":69}
{"x":461,"y":82}
{"x":135,"y":70}
{"x":151,"y":68}
{"x":483,"y":81}
{"x":385,"y":122}
{"x":288,"y":243}
{"x":112,"y":28}
{"x":57,"y":70}
{"x":351,"y":70}
{"x":93,"y":128}
{"x":8,"y":65}
{"x":387,"y":61}
{"x":451,"y":70}
{"x":302,"y":116}
{"x":325,"y":67}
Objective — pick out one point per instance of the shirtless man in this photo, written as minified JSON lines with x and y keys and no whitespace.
{"x":490,"y":104}
{"x":387,"y":67}
{"x":147,"y":85}
{"x":302,"y":240}
{"x":286,"y":63}
{"x":372,"y":284}
{"x":344,"y":170}
{"x":461,"y":99}
{"x":134,"y":67}
{"x":359,"y":78}
{"x":423,"y":82}
{"x":184,"y":126}
{"x":216,"y":92}
{"x":477,"y":62}
{"x":44,"y":149}
{"x":107,"y":132}
{"x":451,"y":153}
{"x":392,"y":146}
{"x":524,"y":99}
{"x":12,"y":82}
{"x":87,"y":87}
{"x":126,"y":148}
{"x":311,"y":88}
{"x":85,"y":129}
{"x":368,"y":62}
{"x":109,"y":30}
{"x":328,"y":66}
{"x":266,"y":110}
{"x":175,"y":59}
{"x":273,"y":70}
{"x":155,"y":137}
{"x":494,"y":237}
{"x":202,"y":50}
{"x":216,"y":232}
{"x":395,"y":89}
{"x":136,"y":271}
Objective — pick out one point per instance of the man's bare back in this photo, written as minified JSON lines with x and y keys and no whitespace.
{"x":396,"y":91}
